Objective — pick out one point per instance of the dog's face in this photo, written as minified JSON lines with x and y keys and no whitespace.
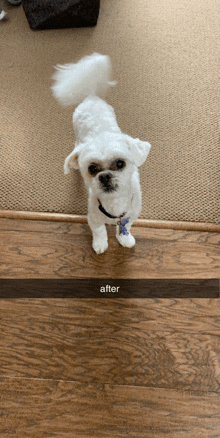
{"x":107,"y":161}
{"x":106,"y":168}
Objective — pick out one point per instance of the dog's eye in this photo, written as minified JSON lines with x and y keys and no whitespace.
{"x":120,"y":164}
{"x":92,"y":169}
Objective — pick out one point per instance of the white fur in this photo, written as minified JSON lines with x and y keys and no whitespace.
{"x":100,"y":142}
{"x":2,"y":14}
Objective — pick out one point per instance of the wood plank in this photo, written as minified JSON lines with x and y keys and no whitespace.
{"x":64,"y":251}
{"x":46,"y":408}
{"x":74,"y":218}
{"x":78,"y":228}
{"x":188,"y":315}
{"x":161,"y":343}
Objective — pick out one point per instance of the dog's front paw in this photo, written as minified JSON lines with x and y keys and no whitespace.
{"x":99,"y":245}
{"x":126,"y":240}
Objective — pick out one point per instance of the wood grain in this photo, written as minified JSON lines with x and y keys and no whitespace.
{"x":30,"y":249}
{"x":125,"y":368}
{"x":45,"y":408}
{"x":157,"y":343}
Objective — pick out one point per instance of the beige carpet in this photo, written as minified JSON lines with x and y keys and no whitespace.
{"x":165,"y":59}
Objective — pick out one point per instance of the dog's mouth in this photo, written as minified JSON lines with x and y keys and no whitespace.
{"x":109,"y":188}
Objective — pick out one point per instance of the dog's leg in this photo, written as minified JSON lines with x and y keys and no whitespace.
{"x":97,"y":225}
{"x":100,"y":237}
{"x":126,"y":240}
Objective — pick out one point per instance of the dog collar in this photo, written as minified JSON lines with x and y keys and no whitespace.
{"x":101,"y":208}
{"x":121,"y":223}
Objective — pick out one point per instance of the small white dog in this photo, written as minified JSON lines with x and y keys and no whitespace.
{"x":107,"y":158}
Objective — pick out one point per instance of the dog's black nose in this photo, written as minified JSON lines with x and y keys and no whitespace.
{"x":105,"y":178}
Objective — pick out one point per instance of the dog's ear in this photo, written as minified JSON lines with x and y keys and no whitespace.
{"x":139,"y":150}
{"x":71,"y":162}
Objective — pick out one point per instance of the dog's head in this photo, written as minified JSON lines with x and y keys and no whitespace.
{"x":107,"y":161}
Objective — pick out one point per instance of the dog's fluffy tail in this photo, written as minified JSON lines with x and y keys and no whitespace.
{"x":90,"y":76}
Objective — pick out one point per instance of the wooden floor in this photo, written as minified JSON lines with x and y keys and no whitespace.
{"x":40,"y":249}
{"x":115,"y":368}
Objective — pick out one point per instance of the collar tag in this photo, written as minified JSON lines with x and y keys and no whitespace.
{"x":122,"y":228}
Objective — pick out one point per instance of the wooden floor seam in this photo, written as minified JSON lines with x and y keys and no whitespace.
{"x":197,"y":391}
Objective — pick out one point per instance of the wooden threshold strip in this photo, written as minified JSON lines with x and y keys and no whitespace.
{"x":74,"y":218}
